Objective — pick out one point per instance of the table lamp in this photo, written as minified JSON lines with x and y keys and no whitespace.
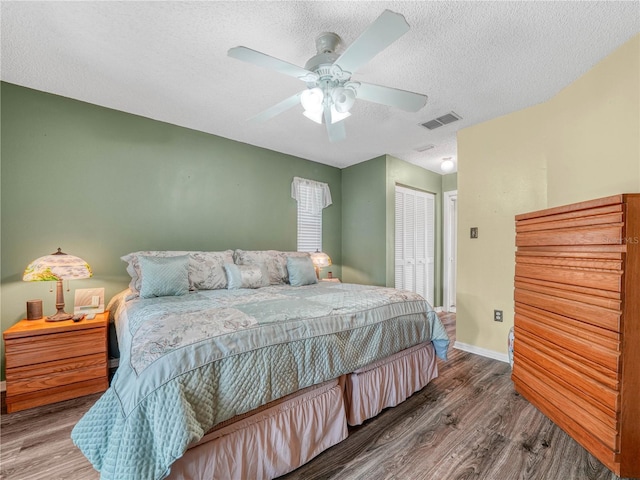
{"x":320,"y":260}
{"x":57,"y":267}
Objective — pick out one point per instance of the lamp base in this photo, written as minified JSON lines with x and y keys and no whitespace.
{"x":60,"y":314}
{"x":58,"y":317}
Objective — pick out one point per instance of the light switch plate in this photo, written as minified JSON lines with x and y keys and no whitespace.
{"x":474,"y":232}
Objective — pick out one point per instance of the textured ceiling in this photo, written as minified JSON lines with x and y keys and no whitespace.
{"x":168,"y":61}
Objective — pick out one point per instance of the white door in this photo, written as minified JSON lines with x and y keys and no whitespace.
{"x":415,"y":242}
{"x":450,"y":249}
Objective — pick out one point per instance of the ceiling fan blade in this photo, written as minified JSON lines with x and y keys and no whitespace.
{"x":336,"y":131}
{"x":394,"y":97}
{"x":263,"y":60}
{"x":385,"y":30}
{"x":277,"y":109}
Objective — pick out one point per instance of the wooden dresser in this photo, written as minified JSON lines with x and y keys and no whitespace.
{"x":48,"y":362}
{"x":577,"y":323}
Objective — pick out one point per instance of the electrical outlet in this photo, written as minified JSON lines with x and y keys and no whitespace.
{"x":497,"y":315}
{"x":474,"y":232}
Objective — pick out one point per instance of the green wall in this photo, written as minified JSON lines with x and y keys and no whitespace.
{"x":449,"y":182}
{"x":364,"y":222}
{"x":100,"y":183}
{"x":368,"y":218}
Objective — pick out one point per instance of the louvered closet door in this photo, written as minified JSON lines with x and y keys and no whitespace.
{"x":415,"y":242}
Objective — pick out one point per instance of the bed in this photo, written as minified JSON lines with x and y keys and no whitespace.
{"x":253,"y":382}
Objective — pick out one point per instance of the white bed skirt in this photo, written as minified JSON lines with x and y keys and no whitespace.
{"x":388,"y":382}
{"x":283,"y":435}
{"x":275,"y":440}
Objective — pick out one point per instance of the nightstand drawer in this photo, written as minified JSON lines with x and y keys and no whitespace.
{"x":41,"y":376}
{"x":51,"y":347}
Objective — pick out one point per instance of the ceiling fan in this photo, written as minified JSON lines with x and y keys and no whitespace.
{"x":330,"y":92}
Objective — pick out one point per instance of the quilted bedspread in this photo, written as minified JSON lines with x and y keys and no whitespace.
{"x":190,"y":362}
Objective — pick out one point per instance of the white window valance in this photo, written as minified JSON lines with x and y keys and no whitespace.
{"x":311,"y":196}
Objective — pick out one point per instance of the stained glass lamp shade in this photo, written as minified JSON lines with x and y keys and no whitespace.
{"x":320,"y":260}
{"x":54,"y":268}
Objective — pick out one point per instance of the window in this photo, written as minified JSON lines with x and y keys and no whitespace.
{"x":312,"y":197}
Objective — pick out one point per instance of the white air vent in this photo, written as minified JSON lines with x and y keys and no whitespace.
{"x":441,"y":121}
{"x":425,"y":148}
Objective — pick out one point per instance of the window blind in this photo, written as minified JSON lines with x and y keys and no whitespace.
{"x":312,"y":197}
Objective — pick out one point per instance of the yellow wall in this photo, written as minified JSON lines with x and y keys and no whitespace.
{"x":584,"y":143}
{"x":593,"y":131}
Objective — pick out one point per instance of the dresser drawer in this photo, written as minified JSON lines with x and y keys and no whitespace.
{"x":591,"y":314}
{"x":31,"y":378}
{"x":603,"y":354}
{"x":580,"y":361}
{"x":577,"y":382}
{"x":588,"y":425}
{"x":559,"y":258}
{"x":571,"y":217}
{"x":591,"y":225}
{"x":47,"y":348}
{"x":610,"y":234}
{"x":601,"y":279}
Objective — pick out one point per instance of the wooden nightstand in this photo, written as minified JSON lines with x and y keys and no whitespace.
{"x":334,"y":280}
{"x":47,"y":362}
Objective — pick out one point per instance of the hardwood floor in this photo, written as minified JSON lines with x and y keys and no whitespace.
{"x":466,"y":424}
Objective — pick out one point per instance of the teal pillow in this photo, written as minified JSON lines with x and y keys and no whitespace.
{"x":301,"y":271}
{"x":164,"y":276}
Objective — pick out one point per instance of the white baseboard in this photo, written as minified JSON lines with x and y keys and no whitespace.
{"x":3,"y":386}
{"x":503,"y":357}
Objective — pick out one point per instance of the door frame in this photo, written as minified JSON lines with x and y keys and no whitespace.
{"x":448,"y":250}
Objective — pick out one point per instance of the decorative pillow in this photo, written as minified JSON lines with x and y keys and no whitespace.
{"x":301,"y":271}
{"x":274,"y":260}
{"x":164,"y":276}
{"x":206,"y":269}
{"x":246,"y":276}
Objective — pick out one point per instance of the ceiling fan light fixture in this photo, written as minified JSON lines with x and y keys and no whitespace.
{"x":330,"y":92}
{"x":337,"y":115}
{"x":312,"y":100}
{"x":343,"y":99}
{"x":316,"y":116}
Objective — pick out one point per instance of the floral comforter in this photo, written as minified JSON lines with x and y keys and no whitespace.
{"x":190,"y":362}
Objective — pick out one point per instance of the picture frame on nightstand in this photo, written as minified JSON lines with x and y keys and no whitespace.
{"x":89,"y":301}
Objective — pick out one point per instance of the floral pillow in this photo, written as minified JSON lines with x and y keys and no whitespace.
{"x":206,"y":269}
{"x":246,"y":276}
{"x":274,"y":260}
